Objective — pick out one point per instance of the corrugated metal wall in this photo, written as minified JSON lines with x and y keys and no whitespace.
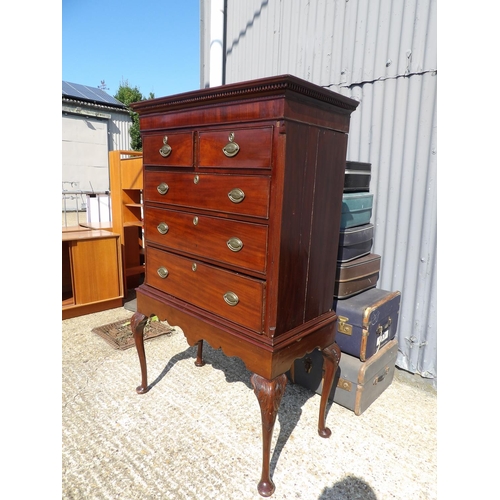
{"x":383,"y":54}
{"x":119,"y":131}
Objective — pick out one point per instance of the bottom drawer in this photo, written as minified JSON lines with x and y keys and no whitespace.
{"x":235,"y":297}
{"x":357,"y":384}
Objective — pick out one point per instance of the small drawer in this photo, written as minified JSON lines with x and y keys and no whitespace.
{"x":236,"y":148}
{"x":235,"y":297}
{"x":228,"y":241}
{"x":172,"y":149}
{"x":233,"y":194}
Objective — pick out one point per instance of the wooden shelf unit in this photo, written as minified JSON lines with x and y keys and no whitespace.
{"x":126,"y":184}
{"x":92,"y":278}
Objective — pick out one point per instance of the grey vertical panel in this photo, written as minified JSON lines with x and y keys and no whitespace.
{"x":382,"y":53}
{"x":119,"y":132}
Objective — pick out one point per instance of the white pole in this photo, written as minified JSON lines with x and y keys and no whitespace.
{"x":216,"y":42}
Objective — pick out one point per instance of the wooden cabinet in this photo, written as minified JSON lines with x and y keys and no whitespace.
{"x":242,"y":204}
{"x":126,"y":184}
{"x":91,"y":272}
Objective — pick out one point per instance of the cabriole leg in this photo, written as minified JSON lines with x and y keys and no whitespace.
{"x":199,"y":354}
{"x":331,"y":359}
{"x":137,"y":324}
{"x":269,"y":394}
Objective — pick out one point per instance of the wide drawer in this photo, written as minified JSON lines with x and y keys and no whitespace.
{"x":172,"y":149}
{"x":228,"y":241}
{"x":234,"y":194}
{"x":235,"y":297}
{"x":236,"y":148}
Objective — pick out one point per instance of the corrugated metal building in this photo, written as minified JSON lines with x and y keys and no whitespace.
{"x":384,"y":54}
{"x":93,"y":123}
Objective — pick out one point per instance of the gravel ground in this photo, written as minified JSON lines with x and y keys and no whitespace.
{"x":197,"y":434}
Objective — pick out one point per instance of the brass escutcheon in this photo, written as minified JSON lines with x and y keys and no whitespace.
{"x":196,"y":179}
{"x":195,"y":220}
{"x":165,"y":150}
{"x":194,"y":266}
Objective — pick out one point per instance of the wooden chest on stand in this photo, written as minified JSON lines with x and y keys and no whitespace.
{"x":242,"y":205}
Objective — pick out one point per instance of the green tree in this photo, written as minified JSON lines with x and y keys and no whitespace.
{"x":127,"y":95}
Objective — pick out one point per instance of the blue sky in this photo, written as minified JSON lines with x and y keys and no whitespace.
{"x":152,"y":44}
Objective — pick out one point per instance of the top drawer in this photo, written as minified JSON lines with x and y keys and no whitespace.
{"x":173,"y":149}
{"x":236,"y":148}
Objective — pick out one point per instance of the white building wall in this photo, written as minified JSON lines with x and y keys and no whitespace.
{"x":89,"y":132}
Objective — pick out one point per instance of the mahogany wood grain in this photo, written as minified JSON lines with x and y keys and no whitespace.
{"x":269,"y":394}
{"x":210,"y":192}
{"x":208,"y":237}
{"x":331,"y":360}
{"x":205,"y":286}
{"x":255,"y":148}
{"x":182,"y":154}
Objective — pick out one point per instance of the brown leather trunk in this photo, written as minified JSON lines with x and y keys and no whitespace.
{"x":356,"y":275}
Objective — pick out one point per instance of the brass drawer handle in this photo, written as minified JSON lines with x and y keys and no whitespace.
{"x":234,"y":244}
{"x":231,"y":298}
{"x":231,"y":148}
{"x":162,"y":188}
{"x":162,"y":272}
{"x":162,"y":228}
{"x":165,"y":150}
{"x":236,"y":195}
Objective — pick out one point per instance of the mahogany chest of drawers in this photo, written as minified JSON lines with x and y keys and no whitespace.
{"x":243,"y":190}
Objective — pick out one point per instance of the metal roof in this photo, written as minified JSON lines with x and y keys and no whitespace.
{"x":91,"y":94}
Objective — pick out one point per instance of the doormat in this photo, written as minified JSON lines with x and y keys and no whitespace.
{"x":119,"y":335}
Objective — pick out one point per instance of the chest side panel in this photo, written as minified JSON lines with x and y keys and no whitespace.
{"x":297,"y":206}
{"x":312,"y":197}
{"x":325,"y":224}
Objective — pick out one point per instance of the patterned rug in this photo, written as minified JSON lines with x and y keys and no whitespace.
{"x":119,"y":334}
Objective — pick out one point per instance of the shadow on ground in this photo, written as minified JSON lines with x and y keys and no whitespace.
{"x":350,"y":488}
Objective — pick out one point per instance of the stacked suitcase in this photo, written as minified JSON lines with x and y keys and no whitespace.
{"x":367,"y":316}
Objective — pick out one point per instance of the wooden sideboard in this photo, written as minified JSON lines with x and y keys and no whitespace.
{"x":91,"y":271}
{"x":242,"y":204}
